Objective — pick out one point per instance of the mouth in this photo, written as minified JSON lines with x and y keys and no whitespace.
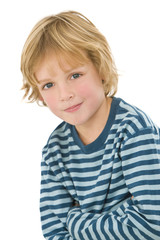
{"x":73,"y":108}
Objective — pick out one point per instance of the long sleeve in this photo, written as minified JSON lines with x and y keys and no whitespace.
{"x":138,"y":217}
{"x":54,"y":205}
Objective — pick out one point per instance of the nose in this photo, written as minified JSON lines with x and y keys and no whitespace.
{"x":65,"y":92}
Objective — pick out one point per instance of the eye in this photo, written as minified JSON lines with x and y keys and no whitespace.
{"x":75,"y":76}
{"x":48,"y":85}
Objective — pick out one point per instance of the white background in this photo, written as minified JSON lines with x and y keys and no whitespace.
{"x":132,"y":28}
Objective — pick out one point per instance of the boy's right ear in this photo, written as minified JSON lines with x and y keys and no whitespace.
{"x":41,"y":98}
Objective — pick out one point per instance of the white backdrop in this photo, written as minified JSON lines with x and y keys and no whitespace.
{"x":132,"y":28}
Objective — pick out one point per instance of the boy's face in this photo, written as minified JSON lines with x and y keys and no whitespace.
{"x":74,"y":94}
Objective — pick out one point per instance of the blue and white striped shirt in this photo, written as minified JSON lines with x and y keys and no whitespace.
{"x":115,"y":180}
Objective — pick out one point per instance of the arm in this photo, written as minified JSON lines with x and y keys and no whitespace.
{"x":54,"y":205}
{"x":137,"y":218}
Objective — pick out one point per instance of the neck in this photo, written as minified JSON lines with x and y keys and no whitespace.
{"x":90,"y":131}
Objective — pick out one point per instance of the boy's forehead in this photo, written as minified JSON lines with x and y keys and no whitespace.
{"x":66,"y":62}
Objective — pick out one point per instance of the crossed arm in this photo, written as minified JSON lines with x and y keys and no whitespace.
{"x":132,"y":220}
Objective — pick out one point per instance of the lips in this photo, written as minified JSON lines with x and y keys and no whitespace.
{"x":73,"y":108}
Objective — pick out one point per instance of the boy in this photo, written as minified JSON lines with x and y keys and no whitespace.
{"x":101,"y":165}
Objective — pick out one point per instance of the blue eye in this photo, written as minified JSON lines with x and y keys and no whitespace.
{"x":48,"y":85}
{"x":75,"y":76}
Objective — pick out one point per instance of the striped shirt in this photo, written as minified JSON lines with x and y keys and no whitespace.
{"x":115,"y":180}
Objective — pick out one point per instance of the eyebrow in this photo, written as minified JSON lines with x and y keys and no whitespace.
{"x":44,"y":80}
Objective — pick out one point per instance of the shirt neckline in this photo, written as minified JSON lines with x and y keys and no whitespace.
{"x":99,"y":142}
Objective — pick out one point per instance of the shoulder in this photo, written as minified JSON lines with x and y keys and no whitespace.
{"x":61,"y":132}
{"x":133,"y":120}
{"x":58,"y":140}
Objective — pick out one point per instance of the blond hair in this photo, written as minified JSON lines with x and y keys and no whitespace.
{"x":68,"y":33}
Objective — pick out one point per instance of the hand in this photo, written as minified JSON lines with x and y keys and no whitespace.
{"x":75,"y":204}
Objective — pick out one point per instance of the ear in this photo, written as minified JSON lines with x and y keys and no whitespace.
{"x":42,"y":101}
{"x":40,"y":98}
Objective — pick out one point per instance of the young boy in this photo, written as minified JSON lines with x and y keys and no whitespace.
{"x":101,"y":165}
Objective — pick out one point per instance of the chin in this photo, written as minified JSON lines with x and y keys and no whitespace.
{"x":75,"y":122}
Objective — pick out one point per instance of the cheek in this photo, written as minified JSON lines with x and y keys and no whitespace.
{"x":93,"y":91}
{"x":84,"y":91}
{"x":50,"y":100}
